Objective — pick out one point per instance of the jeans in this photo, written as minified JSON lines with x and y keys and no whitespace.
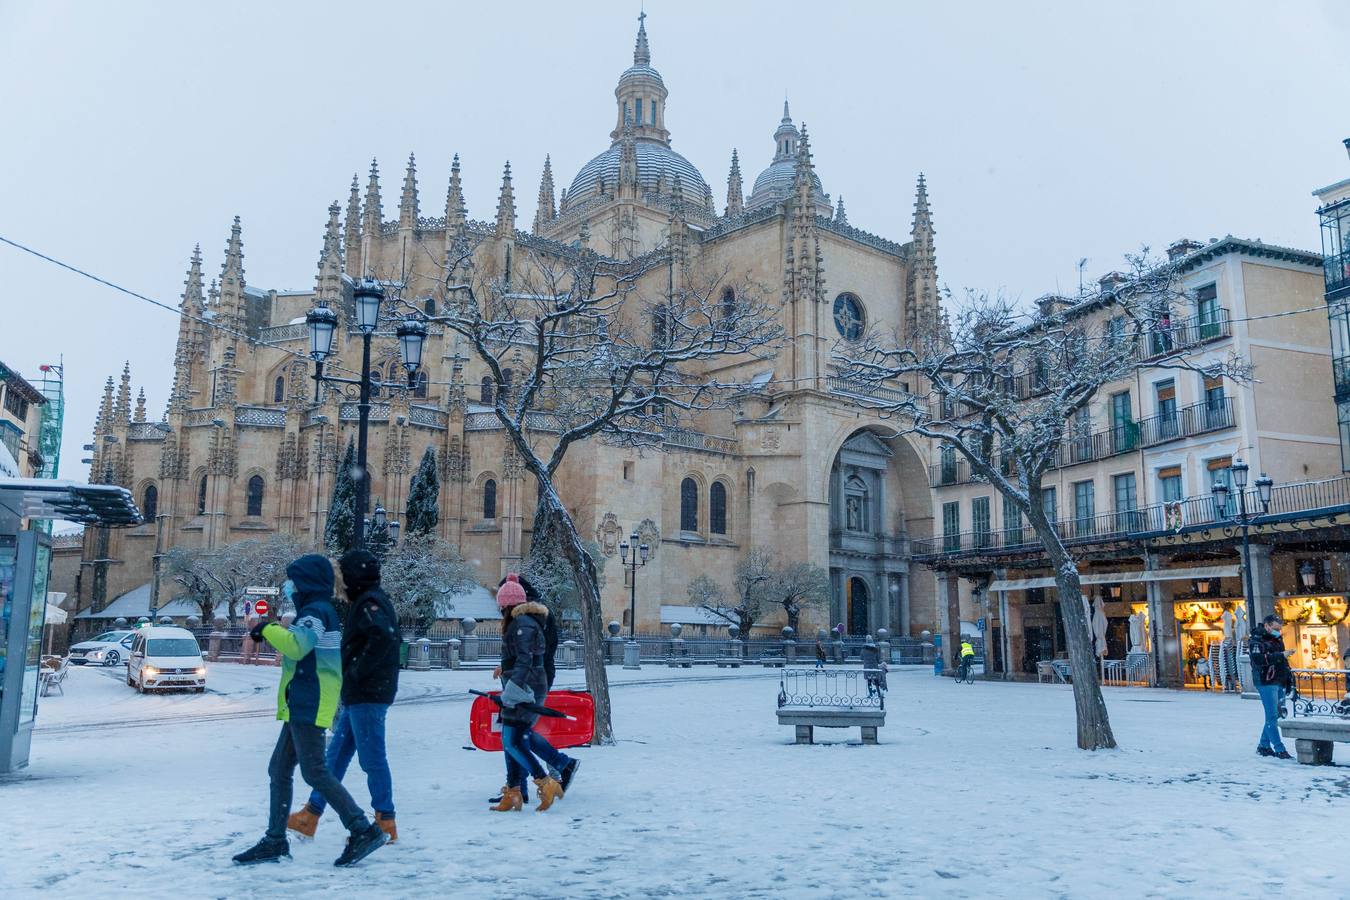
{"x":820,"y":663}
{"x":555,"y":759}
{"x":303,"y":744}
{"x":514,"y":742}
{"x":359,"y":729}
{"x":1270,"y":703}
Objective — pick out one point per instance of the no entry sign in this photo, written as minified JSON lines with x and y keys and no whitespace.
{"x":261,"y":607}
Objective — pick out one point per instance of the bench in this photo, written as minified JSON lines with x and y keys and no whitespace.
{"x":688,"y":662}
{"x":733,"y":662}
{"x":1315,"y":737}
{"x":773,"y":662}
{"x":823,"y":698}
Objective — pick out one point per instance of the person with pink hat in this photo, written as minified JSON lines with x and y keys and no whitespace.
{"x":524,"y":681}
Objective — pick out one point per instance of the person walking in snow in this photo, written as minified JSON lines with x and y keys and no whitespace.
{"x":872,"y":667}
{"x":370,"y":645}
{"x":820,"y":654}
{"x":307,"y":698}
{"x":1271,"y":674}
{"x":560,"y":766}
{"x":523,"y":681}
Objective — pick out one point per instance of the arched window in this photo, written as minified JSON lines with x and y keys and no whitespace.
{"x":419,"y":388}
{"x":376,"y":376}
{"x":689,"y":505}
{"x":279,"y":389}
{"x":849,"y":319}
{"x":201,"y":496}
{"x":717,"y":508}
{"x":728,"y":304}
{"x":255,"y":496}
{"x":429,"y":306}
{"x":489,"y":499}
{"x":150,"y":503}
{"x":485,"y":392}
{"x":507,"y":375}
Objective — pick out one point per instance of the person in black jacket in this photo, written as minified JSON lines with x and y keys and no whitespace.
{"x":561,"y":766}
{"x":370,"y":652}
{"x":524,"y":680}
{"x":1272,"y":676}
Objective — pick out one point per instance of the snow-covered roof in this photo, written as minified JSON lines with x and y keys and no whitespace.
{"x":136,"y":603}
{"x":475,"y":603}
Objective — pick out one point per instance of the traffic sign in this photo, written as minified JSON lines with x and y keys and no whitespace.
{"x":261,"y":607}
{"x":980,"y":624}
{"x":261,"y":591}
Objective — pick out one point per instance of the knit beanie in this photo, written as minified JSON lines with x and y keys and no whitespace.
{"x":510,"y":593}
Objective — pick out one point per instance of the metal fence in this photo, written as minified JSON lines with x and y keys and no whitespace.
{"x":1322,"y":692}
{"x":830,"y":688}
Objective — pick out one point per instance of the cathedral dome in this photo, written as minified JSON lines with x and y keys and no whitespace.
{"x":774,"y":184}
{"x":657,"y":164}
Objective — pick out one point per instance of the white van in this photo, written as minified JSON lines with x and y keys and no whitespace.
{"x":163,"y":656}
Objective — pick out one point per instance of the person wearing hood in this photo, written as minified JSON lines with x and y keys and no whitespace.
{"x":370,"y":646}
{"x":1272,"y":677}
{"x":307,"y":698}
{"x":524,"y":680}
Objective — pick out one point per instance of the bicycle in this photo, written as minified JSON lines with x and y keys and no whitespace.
{"x":965,"y":673}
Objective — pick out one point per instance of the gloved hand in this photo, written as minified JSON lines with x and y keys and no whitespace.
{"x":256,"y":631}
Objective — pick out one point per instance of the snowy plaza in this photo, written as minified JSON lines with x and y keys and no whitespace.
{"x":973,"y":791}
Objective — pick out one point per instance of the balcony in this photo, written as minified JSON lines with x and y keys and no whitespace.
{"x":1170,"y":335}
{"x":1188,"y":421}
{"x":1337,"y":271}
{"x":1306,"y":499}
{"x":1340,"y":373}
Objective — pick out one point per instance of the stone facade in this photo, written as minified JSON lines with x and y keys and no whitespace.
{"x":244,"y":449}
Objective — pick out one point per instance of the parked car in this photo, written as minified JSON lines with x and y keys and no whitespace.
{"x":107,"y":649}
{"x":162,"y":657}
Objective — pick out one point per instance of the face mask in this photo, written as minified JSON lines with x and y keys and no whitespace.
{"x":288,"y":590}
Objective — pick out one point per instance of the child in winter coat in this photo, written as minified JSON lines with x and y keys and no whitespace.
{"x":524,"y":680}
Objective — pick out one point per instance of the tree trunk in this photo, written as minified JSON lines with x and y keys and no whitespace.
{"x":552,"y":516}
{"x":1094,"y":726}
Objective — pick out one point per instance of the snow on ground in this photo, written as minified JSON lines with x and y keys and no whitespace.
{"x":975,"y":791}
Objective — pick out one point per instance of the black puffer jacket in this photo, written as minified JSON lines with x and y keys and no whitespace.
{"x":523,"y":648}
{"x":370,"y":636}
{"x":1269,"y":664}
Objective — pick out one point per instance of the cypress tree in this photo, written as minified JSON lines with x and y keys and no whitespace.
{"x":340,"y":531}
{"x":424,"y":497}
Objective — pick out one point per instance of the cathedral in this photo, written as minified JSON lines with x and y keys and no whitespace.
{"x":797,"y":465}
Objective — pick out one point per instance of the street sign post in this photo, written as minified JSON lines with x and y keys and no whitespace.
{"x":261,"y":591}
{"x":261,"y":607}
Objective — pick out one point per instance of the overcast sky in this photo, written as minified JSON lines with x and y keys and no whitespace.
{"x":1049,"y":132}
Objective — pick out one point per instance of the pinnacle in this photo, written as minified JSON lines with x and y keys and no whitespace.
{"x":642,"y":52}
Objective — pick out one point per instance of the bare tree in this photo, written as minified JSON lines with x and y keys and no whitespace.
{"x":419,"y":573}
{"x":186,"y":567}
{"x":591,"y":356}
{"x":799,"y":587}
{"x":755,"y":574}
{"x":210,"y":576}
{"x":1002,"y":389}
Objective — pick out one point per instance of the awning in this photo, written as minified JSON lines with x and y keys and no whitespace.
{"x":1140,"y":577}
{"x":88,"y":504}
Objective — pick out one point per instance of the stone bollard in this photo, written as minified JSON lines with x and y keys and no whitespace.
{"x":929,"y":651}
{"x":632,"y":655}
{"x":613,"y":644}
{"x":452,"y":652}
{"x":677,"y":651}
{"x":213,"y":642}
{"x":569,"y":659}
{"x":469,"y":648}
{"x":421,"y":655}
{"x":121,"y":624}
{"x":884,"y":645}
{"x":734,"y":644}
{"x":789,"y":645}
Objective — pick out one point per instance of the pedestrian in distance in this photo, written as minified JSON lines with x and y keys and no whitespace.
{"x":307,"y":698}
{"x":820,"y":654}
{"x":561,"y":767}
{"x":523,"y":681}
{"x":370,"y":646}
{"x":872,"y":667}
{"x":967,"y":659}
{"x":1272,"y":676}
{"x":1202,"y":671}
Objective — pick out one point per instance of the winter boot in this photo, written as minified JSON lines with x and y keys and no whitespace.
{"x":361,"y":844}
{"x":569,"y":772}
{"x":549,"y":790}
{"x":524,"y":794}
{"x":510,"y":800}
{"x":266,"y":850}
{"x":304,"y":821}
{"x":386,"y":823}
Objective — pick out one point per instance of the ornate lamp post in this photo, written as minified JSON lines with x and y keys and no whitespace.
{"x":322,"y":322}
{"x":631,"y":650}
{"x":1244,"y":519}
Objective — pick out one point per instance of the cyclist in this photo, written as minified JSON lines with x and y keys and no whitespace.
{"x":967,"y":659}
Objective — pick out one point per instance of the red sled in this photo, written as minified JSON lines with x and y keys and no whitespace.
{"x":485,"y":730}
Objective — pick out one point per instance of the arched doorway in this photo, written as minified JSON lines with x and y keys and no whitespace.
{"x":857,"y":606}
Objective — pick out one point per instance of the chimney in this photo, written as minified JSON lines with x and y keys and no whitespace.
{"x":1110,"y":281}
{"x":1177,"y":249}
{"x":1049,"y":304}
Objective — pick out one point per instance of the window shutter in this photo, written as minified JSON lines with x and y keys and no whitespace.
{"x":1214,"y":383}
{"x":1170,"y":472}
{"x":1167,"y":390}
{"x":1223,"y":462}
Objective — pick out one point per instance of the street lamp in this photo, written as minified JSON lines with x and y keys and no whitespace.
{"x":367,"y":295}
{"x":1307,"y":574}
{"x":632,"y":563}
{"x":1240,"y":471}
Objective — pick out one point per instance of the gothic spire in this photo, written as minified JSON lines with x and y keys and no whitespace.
{"x":735,"y":189}
{"x":628,"y":170}
{"x":642,"y":53}
{"x":407,"y":203}
{"x":506,"y":206}
{"x":351,"y":231}
{"x":545,"y":212}
{"x":328,"y":283}
{"x":139,"y":414}
{"x":923,"y":304}
{"x":105,"y":413}
{"x":232,"y":280}
{"x":839,"y":215}
{"x":122,"y":411}
{"x":455,"y":213}
{"x":373,"y":216}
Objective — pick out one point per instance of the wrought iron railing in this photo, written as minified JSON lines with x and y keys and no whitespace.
{"x":1337,"y":269}
{"x":1322,"y":692}
{"x":1198,"y":418}
{"x":1169,"y":335}
{"x":828,"y":688}
{"x":1299,"y":499}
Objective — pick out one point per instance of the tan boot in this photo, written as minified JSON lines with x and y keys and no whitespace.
{"x":304,"y":822}
{"x":549,"y":790}
{"x":387,"y":825}
{"x":511,"y":801}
